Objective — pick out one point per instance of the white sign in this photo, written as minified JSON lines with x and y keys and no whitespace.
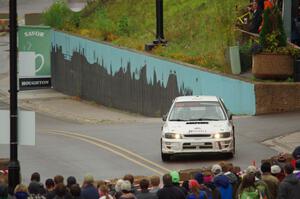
{"x":26,"y":127}
{"x":27,"y":63}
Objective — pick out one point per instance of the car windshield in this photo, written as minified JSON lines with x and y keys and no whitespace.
{"x":197,"y":111}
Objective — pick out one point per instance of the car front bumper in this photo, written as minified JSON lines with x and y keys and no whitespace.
{"x":208,"y":145}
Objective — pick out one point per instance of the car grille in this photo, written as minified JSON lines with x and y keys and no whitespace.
{"x":197,"y":135}
{"x":205,"y":145}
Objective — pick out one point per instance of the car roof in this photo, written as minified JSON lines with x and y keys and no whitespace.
{"x":200,"y":98}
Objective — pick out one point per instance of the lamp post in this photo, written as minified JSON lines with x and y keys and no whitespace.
{"x":14,"y":165}
{"x":160,"y":38}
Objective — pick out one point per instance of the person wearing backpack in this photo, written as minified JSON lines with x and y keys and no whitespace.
{"x":248,"y":189}
{"x":196,"y":193}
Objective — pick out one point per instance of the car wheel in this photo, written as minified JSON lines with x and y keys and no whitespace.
{"x":165,"y":157}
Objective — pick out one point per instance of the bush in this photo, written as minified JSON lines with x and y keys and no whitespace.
{"x":57,"y":15}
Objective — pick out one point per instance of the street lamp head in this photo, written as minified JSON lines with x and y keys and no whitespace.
{"x":76,"y":5}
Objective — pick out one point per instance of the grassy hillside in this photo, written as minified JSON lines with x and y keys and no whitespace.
{"x":198,"y":31}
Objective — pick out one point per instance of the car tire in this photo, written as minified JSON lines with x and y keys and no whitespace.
{"x":165,"y":157}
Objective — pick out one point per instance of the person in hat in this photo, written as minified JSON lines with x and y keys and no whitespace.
{"x":169,"y":191}
{"x":222,"y":182}
{"x":195,"y":190}
{"x":88,"y":190}
{"x":127,"y":190}
{"x":176,"y":179}
{"x":277,"y":172}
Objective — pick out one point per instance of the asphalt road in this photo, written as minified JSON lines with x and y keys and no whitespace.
{"x":55,"y":153}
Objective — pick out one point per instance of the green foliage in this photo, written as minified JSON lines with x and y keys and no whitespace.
{"x":123,"y":26}
{"x":198,"y":32}
{"x":57,"y":15}
{"x":272,"y":35}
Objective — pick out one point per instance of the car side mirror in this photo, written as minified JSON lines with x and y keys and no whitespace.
{"x":164,"y":117}
{"x":229,"y":115}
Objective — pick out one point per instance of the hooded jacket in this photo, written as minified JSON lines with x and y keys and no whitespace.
{"x":21,"y":195}
{"x":170,"y":192}
{"x":289,"y":188}
{"x":223,"y":184}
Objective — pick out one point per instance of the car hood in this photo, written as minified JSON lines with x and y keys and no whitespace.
{"x":196,"y":127}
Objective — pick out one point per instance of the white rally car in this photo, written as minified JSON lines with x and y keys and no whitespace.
{"x":197,"y":124}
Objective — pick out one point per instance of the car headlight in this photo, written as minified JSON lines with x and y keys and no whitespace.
{"x":222,"y":135}
{"x":173,"y":136}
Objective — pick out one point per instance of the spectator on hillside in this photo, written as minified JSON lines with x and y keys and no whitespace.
{"x":126,"y":188}
{"x":75,"y":191}
{"x":222,"y":182}
{"x":105,"y":192}
{"x":289,"y":188}
{"x":36,"y":177}
{"x":21,"y":192}
{"x":256,"y":18}
{"x":195,"y":190}
{"x":277,"y":172}
{"x":169,"y":191}
{"x":271,"y":181}
{"x":49,"y":183}
{"x":145,"y":193}
{"x":268,"y":4}
{"x":175,"y":180}
{"x":297,"y":169}
{"x":154,"y":181}
{"x":34,"y":191}
{"x":89,"y":191}
{"x":130,"y":178}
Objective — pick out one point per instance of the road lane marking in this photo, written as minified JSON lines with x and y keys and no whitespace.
{"x":97,"y":142}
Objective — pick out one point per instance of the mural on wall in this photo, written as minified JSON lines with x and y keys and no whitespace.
{"x":136,"y":82}
{"x":120,"y":89}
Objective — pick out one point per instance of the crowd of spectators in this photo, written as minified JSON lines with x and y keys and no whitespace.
{"x":220,"y":181}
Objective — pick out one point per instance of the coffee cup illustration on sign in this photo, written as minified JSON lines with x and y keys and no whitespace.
{"x":30,"y":63}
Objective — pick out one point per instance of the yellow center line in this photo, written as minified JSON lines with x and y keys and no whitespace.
{"x":86,"y":139}
{"x":113,"y":145}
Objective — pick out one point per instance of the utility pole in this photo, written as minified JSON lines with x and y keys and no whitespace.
{"x":14,"y":165}
{"x":160,"y":38}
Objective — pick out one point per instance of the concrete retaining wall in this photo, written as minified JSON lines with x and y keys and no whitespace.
{"x":137,"y":81}
{"x":277,"y":97}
